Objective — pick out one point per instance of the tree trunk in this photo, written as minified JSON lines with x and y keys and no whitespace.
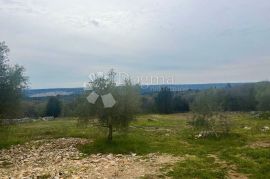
{"x":110,"y":130}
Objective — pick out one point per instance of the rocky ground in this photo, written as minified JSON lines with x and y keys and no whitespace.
{"x":59,"y":158}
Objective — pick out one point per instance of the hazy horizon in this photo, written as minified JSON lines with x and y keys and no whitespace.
{"x":61,"y":42}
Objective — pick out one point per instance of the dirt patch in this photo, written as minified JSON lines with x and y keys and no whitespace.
{"x":232,"y":169}
{"x":59,"y":158}
{"x":260,"y":144}
{"x":232,"y":174}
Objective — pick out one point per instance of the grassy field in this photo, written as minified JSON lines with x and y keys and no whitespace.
{"x":245,"y":151}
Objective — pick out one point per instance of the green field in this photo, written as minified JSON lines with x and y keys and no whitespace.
{"x":245,"y":151}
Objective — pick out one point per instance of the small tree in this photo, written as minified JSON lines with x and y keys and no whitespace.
{"x":126,"y":97}
{"x":148,"y":104}
{"x":208,"y":115}
{"x":12,"y":83}
{"x":53,"y":107}
{"x":164,"y":101}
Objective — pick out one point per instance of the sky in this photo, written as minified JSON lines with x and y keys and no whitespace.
{"x":61,"y":42}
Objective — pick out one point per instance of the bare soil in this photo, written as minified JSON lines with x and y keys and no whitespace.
{"x":260,"y":144}
{"x":59,"y":158}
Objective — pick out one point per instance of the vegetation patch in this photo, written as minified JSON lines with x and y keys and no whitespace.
{"x":170,"y":134}
{"x":198,"y":168}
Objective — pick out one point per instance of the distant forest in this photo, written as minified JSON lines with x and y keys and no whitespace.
{"x":230,"y":97}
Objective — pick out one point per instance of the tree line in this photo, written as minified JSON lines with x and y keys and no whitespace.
{"x":245,"y":97}
{"x":205,"y":104}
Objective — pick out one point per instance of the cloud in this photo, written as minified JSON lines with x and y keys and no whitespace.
{"x":61,"y":42}
{"x":95,"y":23}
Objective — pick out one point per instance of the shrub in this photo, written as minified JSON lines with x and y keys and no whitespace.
{"x":261,"y":115}
{"x":208,"y":116}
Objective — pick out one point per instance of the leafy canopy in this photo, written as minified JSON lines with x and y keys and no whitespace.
{"x":12,"y":83}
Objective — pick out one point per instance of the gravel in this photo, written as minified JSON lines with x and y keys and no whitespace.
{"x":59,"y":158}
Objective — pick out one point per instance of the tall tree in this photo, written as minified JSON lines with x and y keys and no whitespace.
{"x":164,"y":101}
{"x":12,"y":83}
{"x":53,"y":107}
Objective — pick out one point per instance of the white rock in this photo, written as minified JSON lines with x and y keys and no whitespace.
{"x":265,"y":128}
{"x":133,"y":154}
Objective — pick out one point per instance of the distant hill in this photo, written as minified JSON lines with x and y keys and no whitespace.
{"x":186,"y":87}
{"x":32,"y":93}
{"x":145,"y":89}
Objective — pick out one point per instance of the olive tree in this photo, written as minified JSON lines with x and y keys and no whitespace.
{"x":12,"y":83}
{"x":208,"y":113}
{"x":115,"y":106}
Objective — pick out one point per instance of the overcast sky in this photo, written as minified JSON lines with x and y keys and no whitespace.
{"x":60,"y":42}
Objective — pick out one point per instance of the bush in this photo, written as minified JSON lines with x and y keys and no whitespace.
{"x":208,"y":116}
{"x":213,"y":125}
{"x":261,"y":115}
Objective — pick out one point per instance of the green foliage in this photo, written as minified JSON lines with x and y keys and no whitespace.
{"x":255,"y":161}
{"x":148,"y":104}
{"x":180,"y":104}
{"x":198,"y":168}
{"x":166,"y":134}
{"x":246,"y":97}
{"x":83,"y":109}
{"x":53,"y":107}
{"x":262,"y":115}
{"x":208,"y":116}
{"x":33,"y":109}
{"x":127,"y":102}
{"x":207,"y":102}
{"x":124,"y":144}
{"x":239,"y":98}
{"x":164,"y":101}
{"x":12,"y":82}
{"x":263,"y":96}
{"x":21,"y":133}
